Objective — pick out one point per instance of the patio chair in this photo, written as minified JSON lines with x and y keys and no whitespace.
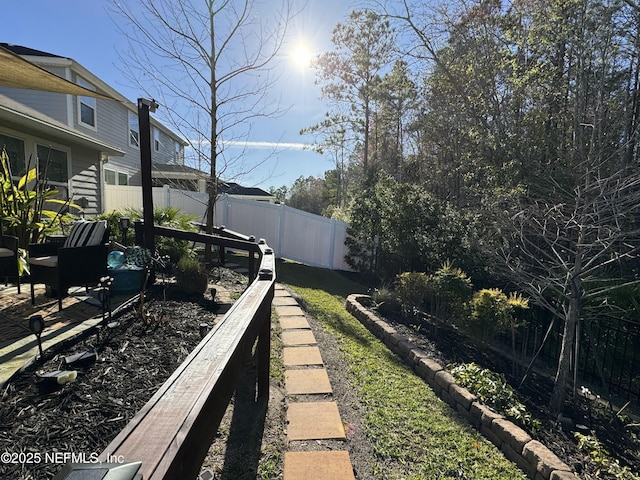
{"x":9,"y":258}
{"x":80,"y":261}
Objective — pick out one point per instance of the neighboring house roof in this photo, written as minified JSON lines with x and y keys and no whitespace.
{"x":176,"y":171}
{"x":232,"y":188}
{"x":17,"y":114}
{"x":102,"y":88}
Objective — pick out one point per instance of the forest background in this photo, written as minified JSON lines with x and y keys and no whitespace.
{"x":502,"y":137}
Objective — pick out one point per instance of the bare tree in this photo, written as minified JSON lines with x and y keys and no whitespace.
{"x":563,"y":254}
{"x":211,"y":65}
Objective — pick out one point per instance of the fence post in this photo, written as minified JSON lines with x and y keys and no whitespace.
{"x":281,"y":219}
{"x":332,"y":244}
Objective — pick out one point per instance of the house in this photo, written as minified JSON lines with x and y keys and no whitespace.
{"x":88,"y":141}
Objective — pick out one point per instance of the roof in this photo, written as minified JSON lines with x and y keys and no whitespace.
{"x":233,"y":188}
{"x":17,"y":114}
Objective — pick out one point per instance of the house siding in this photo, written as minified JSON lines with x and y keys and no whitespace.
{"x":85,"y":178}
{"x":53,"y":105}
{"x":111,"y":128}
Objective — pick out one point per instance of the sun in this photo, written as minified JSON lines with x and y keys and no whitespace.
{"x":301,"y":55}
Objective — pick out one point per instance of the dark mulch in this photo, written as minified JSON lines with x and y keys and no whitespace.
{"x":449,"y":346}
{"x":134,"y":358}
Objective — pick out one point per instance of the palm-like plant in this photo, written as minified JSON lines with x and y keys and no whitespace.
{"x":23,"y":204}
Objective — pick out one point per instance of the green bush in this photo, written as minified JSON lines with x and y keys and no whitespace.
{"x":451,"y":293}
{"x":165,"y":217}
{"x":493,"y":311}
{"x":493,"y":390}
{"x":385,"y":300}
{"x":412,"y":288}
{"x":28,"y":207}
{"x":191,"y":278}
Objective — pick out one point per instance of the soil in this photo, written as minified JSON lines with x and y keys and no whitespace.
{"x":137,"y":355}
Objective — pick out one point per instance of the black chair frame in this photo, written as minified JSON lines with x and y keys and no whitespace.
{"x":9,"y":265}
{"x":77,"y":266}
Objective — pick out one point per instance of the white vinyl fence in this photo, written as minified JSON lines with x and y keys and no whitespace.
{"x":293,"y":234}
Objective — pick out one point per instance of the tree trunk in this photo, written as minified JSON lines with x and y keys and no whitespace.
{"x":568,"y":340}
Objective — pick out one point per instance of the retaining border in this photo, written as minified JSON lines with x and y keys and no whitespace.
{"x":531,"y":456}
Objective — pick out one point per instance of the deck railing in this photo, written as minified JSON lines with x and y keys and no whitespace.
{"x":172,"y":433}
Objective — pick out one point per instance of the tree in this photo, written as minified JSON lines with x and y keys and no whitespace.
{"x":307,"y":194}
{"x":210,"y":64}
{"x":348,"y":77}
{"x":397,"y":98}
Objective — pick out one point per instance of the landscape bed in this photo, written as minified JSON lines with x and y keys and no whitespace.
{"x":135,"y":355}
{"x":621,"y":443}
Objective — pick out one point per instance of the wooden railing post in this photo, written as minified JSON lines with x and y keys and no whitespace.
{"x":264,"y":353}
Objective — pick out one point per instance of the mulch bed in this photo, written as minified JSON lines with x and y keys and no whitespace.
{"x":448,"y":346}
{"x":135,"y":356}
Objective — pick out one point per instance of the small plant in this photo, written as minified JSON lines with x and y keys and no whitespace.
{"x":26,"y":207}
{"x":412,"y":288}
{"x":493,"y":311}
{"x":191,"y":278}
{"x":602,"y":458}
{"x":493,"y":390}
{"x":384,"y":300}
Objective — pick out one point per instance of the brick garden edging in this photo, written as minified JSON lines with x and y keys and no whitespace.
{"x":531,"y":456}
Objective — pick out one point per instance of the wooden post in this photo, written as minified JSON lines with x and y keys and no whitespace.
{"x":139,"y":232}
{"x":144,"y":124}
{"x":264,"y":353}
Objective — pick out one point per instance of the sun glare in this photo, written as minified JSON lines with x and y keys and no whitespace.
{"x":301,"y":56}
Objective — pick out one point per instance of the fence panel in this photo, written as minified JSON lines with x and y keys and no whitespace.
{"x":293,"y":234}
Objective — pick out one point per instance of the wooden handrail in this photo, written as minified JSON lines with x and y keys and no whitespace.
{"x":172,"y":433}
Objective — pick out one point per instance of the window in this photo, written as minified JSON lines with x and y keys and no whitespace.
{"x":156,"y":139}
{"x":15,"y":149}
{"x":111,"y":177}
{"x":134,"y":130}
{"x":179,"y":154}
{"x":52,"y":164}
{"x":86,"y":106}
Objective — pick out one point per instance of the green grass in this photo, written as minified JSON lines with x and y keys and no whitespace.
{"x":414,"y":434}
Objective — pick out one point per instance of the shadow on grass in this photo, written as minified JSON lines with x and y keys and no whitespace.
{"x":246,"y":430}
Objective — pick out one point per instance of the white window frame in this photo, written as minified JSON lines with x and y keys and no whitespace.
{"x":156,"y":139}
{"x":131,"y":118}
{"x":179,"y":155}
{"x":117,"y":176}
{"x":90,"y":102}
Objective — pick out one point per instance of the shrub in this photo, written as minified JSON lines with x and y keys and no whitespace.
{"x":493,"y":390}
{"x":164,"y":216}
{"x":451,"y":292}
{"x":28,"y":208}
{"x":493,"y":311}
{"x":191,"y":278}
{"x":412,"y":288}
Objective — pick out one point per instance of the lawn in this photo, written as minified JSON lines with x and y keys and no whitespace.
{"x":413,"y":434}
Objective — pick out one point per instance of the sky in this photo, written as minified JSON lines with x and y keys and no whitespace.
{"x":84,"y":31}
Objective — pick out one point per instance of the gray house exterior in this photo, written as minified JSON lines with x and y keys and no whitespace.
{"x":89,"y":141}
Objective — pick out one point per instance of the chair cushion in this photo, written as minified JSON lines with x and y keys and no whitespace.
{"x":6,"y":252}
{"x":48,"y":261}
{"x":85,"y":234}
